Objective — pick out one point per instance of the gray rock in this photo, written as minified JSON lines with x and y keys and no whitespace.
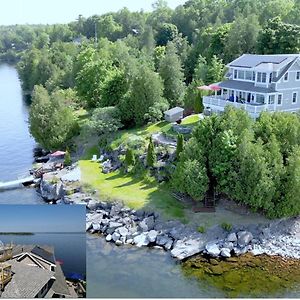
{"x":150,"y":222}
{"x":152,"y":234}
{"x":163,"y":239}
{"x":168,"y":245}
{"x":141,"y":240}
{"x":123,"y":231}
{"x":225,"y":252}
{"x":88,"y":226}
{"x":116,"y":236}
{"x":96,"y":226}
{"x":212,"y":249}
{"x":114,"y":224}
{"x":118,"y":243}
{"x":228,"y":245}
{"x":143,"y":226}
{"x":244,"y":238}
{"x":123,"y":239}
{"x":92,"y":204}
{"x":183,"y":249}
{"x":129,"y":241}
{"x":232,"y":237}
{"x":108,"y":238}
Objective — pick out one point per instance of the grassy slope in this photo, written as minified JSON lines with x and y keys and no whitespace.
{"x":134,"y":192}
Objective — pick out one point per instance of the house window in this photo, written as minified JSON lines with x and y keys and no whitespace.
{"x":294,"y":97}
{"x":298,"y":75}
{"x":286,"y":76}
{"x":279,"y":99}
{"x":260,"y":98}
{"x":271,"y":99}
{"x":271,"y":77}
{"x":261,"y":77}
{"x":241,"y":74}
{"x":248,"y":75}
{"x":235,"y":74}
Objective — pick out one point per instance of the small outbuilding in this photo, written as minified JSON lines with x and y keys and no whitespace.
{"x":174,"y":114}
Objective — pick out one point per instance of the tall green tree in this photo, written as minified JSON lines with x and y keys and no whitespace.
{"x":180,"y":145}
{"x":172,"y":75}
{"x":151,"y":155}
{"x":50,"y":123}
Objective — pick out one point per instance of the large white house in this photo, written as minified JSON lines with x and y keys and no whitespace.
{"x":259,"y":83}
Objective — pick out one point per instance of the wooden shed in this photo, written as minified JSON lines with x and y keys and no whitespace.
{"x":174,"y":114}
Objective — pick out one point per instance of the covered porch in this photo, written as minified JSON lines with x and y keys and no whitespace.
{"x":253,"y":102}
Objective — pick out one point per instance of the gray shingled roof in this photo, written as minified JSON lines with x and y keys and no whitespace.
{"x":285,"y":69}
{"x":252,"y":60}
{"x":60,"y":285}
{"x":26,"y":281}
{"x":245,"y":86}
{"x":174,"y":110}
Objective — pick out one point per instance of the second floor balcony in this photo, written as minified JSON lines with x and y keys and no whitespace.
{"x":219,"y":102}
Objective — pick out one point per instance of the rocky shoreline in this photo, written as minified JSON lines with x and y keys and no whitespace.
{"x":124,"y":226}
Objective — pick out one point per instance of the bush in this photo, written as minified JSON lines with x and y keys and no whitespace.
{"x":226,"y":226}
{"x":67,"y":160}
{"x":201,"y":229}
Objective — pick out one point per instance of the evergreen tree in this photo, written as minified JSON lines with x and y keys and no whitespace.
{"x":151,"y":155}
{"x":172,"y":75}
{"x":129,"y":158}
{"x":67,"y":160}
{"x":147,"y":96}
{"x":179,"y":147}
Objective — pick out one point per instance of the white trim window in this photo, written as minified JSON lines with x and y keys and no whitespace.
{"x":298,"y":75}
{"x":286,"y":76}
{"x":279,"y":99}
{"x":294,"y":99}
{"x":261,"y":77}
{"x":271,"y":99}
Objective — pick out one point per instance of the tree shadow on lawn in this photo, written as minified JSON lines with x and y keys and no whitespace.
{"x":162,"y":200}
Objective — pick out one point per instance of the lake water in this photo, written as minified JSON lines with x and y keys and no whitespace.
{"x":16,"y":144}
{"x":70,"y":248}
{"x":131,"y":272}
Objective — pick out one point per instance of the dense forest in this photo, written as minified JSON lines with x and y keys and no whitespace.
{"x":126,"y":68}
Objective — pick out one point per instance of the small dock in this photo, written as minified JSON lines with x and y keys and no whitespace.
{"x":17,"y":183}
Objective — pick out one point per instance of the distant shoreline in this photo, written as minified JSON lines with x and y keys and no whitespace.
{"x":16,"y":233}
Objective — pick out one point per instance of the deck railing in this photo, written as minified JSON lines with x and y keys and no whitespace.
{"x":221,"y":102}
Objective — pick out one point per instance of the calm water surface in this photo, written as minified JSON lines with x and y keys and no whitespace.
{"x":16,"y":144}
{"x":69,"y":248}
{"x":130,"y":272}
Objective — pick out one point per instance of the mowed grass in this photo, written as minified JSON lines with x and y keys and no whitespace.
{"x":133,"y":192}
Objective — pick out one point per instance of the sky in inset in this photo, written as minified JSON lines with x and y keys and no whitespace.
{"x":42,"y":218}
{"x":64,"y":11}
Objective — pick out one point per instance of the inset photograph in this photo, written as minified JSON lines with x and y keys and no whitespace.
{"x":42,"y":251}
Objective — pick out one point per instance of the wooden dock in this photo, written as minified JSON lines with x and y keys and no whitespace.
{"x":16,"y":183}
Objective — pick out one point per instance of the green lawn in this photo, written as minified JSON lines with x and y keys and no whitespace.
{"x":132,"y":191}
{"x":191,"y":120}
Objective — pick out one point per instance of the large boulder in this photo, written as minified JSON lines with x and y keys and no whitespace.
{"x":183,"y":249}
{"x":141,"y":240}
{"x":51,"y":191}
{"x":123,"y":231}
{"x":92,"y":204}
{"x":232,"y":237}
{"x":150,"y":222}
{"x":116,"y":236}
{"x":244,"y":238}
{"x":163,"y":240}
{"x":225,"y":252}
{"x":212,"y":249}
{"x":152,"y":234}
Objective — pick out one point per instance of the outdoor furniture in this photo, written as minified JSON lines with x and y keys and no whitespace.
{"x":94,"y":158}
